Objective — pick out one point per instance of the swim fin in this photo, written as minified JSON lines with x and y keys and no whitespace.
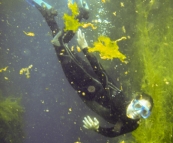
{"x":84,"y":4}
{"x":39,"y":3}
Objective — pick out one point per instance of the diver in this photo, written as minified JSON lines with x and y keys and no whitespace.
{"x":91,"y":82}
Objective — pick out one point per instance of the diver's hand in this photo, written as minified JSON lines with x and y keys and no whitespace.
{"x":81,"y":39}
{"x":91,"y":124}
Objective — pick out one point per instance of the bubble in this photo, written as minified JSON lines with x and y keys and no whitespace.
{"x":26,"y":52}
{"x":43,"y":75}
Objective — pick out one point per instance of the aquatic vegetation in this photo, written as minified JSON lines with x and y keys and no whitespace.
{"x":89,"y":24}
{"x":108,"y":49}
{"x":29,"y":33}
{"x":70,"y":21}
{"x":3,"y":69}
{"x":74,"y":8}
{"x":78,"y":48}
{"x":153,"y":62}
{"x":26,"y":71}
{"x":104,"y":1}
{"x":11,"y":120}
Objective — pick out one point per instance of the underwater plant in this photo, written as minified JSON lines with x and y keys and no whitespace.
{"x":11,"y":120}
{"x":3,"y":69}
{"x":70,"y":21}
{"x":108,"y":49}
{"x":26,"y":71}
{"x":153,"y":62}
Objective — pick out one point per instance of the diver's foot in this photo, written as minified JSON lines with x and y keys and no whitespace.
{"x":83,"y":13}
{"x":84,"y":4}
{"x":48,"y":14}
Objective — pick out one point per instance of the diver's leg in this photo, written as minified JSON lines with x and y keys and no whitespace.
{"x":49,"y":15}
{"x":84,"y":84}
{"x":89,"y":89}
{"x":87,"y":86}
{"x":79,"y":79}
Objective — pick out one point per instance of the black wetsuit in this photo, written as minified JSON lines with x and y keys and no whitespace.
{"x":92,"y":83}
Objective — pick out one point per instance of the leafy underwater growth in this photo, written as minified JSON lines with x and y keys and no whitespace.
{"x":70,"y":21}
{"x":11,"y":120}
{"x":108,"y":49}
{"x":153,"y":47}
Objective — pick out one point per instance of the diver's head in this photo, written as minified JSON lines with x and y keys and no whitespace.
{"x":140,"y":107}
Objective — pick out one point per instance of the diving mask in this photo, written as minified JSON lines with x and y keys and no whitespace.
{"x":138,"y":108}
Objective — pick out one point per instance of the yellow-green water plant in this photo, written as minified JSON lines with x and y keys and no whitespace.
{"x":11,"y":122}
{"x":153,"y":46}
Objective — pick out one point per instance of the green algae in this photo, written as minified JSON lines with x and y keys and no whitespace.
{"x":153,"y":62}
{"x":11,"y":120}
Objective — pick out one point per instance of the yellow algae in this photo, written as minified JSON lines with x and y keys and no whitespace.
{"x":104,"y":1}
{"x":85,"y":25}
{"x":121,"y":4}
{"x":72,"y":48}
{"x":70,"y":21}
{"x":78,"y":49}
{"x":29,"y":33}
{"x":6,"y":78}
{"x":78,"y":140}
{"x":74,"y":9}
{"x":114,"y":13}
{"x":123,"y":29}
{"x":108,"y":49}
{"x":26,"y":71}
{"x":3,"y":69}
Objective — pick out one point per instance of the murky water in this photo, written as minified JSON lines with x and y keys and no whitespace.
{"x":38,"y":105}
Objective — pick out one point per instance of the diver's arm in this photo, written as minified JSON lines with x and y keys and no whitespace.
{"x":108,"y":132}
{"x":93,"y":124}
{"x":117,"y":130}
{"x":49,"y":13}
{"x":98,"y":69}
